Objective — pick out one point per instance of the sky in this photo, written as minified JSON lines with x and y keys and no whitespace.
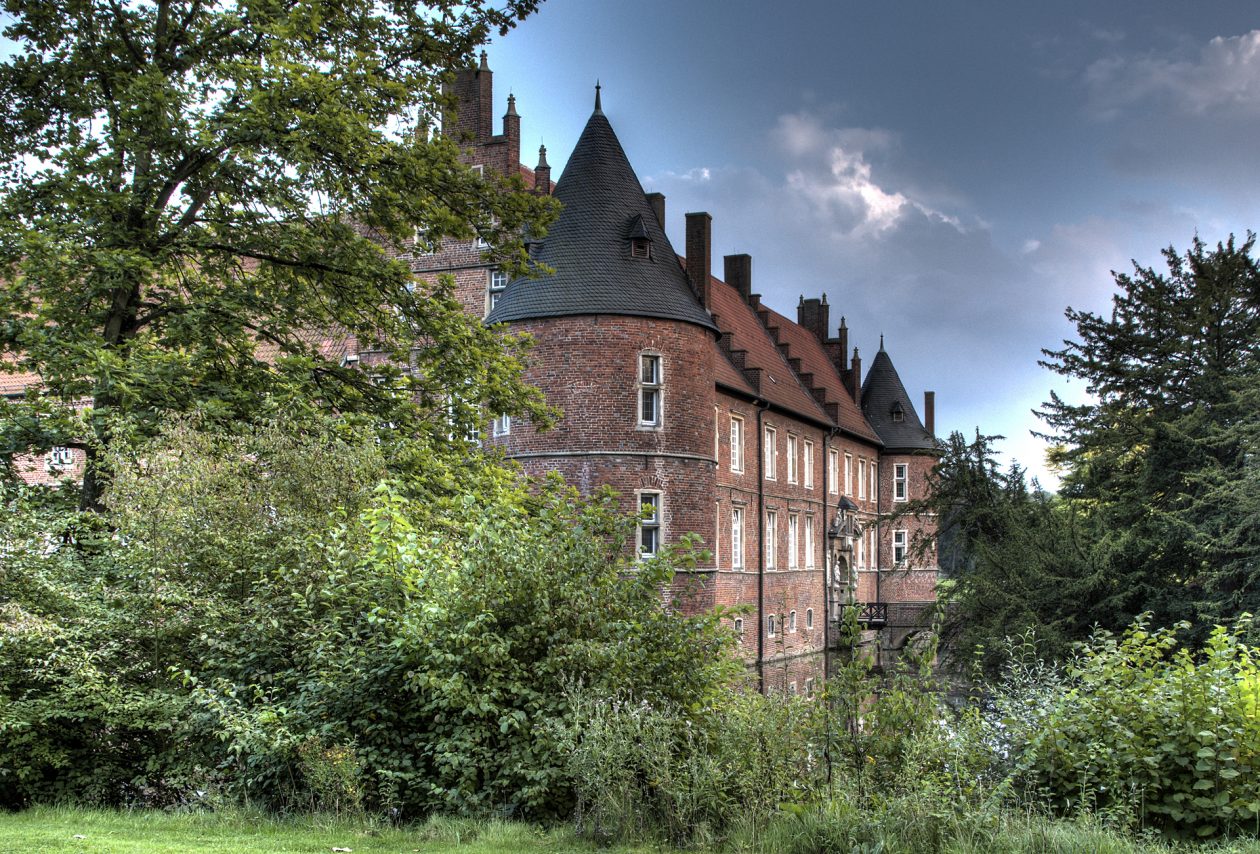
{"x":952,"y":176}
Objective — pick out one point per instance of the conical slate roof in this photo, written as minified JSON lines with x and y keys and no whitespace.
{"x":589,"y":246}
{"x":882,"y":395}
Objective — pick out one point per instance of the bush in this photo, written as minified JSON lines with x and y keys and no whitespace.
{"x":1145,"y":732}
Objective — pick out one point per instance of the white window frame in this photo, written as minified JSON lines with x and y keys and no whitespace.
{"x":772,"y":453}
{"x":809,"y":540}
{"x":792,"y":688}
{"x":654,"y":386}
{"x":772,"y":531}
{"x":809,"y":687}
{"x":792,"y":443}
{"x":900,"y":546}
{"x":496,"y":284}
{"x":861,"y":484}
{"x":901,"y":485}
{"x":809,"y":618}
{"x":873,"y":551}
{"x":794,"y":540}
{"x":717,"y":533}
{"x":807,"y":463}
{"x":739,"y":627}
{"x":770,"y":625}
{"x":656,"y":522}
{"x":737,"y":443}
{"x":59,"y":457}
{"x":501,"y":426}
{"x":717,"y":434}
{"x":874,"y":491}
{"x":792,"y":624}
{"x":861,"y":551}
{"x":833,"y":471}
{"x":737,"y":538}
{"x":848,"y":474}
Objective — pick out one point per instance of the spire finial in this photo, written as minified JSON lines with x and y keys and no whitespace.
{"x":542,"y":157}
{"x":511,"y":111}
{"x":598,"y":108}
{"x":842,"y":323}
{"x":824,"y":298}
{"x":881,"y":342}
{"x":485,"y":65}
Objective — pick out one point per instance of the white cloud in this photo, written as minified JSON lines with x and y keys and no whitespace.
{"x":1224,"y":77}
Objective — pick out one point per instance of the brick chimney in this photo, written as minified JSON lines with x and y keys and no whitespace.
{"x":843,"y":341}
{"x":855,"y":377}
{"x":699,"y":255}
{"x":542,"y":173}
{"x":737,"y":270}
{"x":814,"y":315}
{"x":469,"y":119}
{"x":929,"y":412}
{"x":657,"y":201}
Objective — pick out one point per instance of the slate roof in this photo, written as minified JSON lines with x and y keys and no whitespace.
{"x":589,"y":249}
{"x":804,"y":345}
{"x":882,"y":391}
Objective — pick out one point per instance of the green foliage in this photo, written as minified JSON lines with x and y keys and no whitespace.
{"x":1143,"y":731}
{"x":195,"y":192}
{"x":1164,"y":458}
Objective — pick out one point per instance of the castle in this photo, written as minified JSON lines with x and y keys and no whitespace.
{"x":704,"y":408}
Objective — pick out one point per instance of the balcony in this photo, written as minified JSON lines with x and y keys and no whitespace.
{"x":870,"y":615}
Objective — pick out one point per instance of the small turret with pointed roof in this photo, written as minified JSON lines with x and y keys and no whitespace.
{"x":590,"y":245}
{"x":888,"y":408}
{"x":542,"y":172}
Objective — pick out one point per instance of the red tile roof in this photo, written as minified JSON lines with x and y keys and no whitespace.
{"x":779,"y":384}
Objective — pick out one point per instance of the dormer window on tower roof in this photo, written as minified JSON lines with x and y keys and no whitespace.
{"x":640,"y":241}
{"x":898,"y":413}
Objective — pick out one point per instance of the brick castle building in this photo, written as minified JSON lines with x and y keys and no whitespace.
{"x":698,"y":403}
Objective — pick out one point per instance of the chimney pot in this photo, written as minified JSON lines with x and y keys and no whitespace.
{"x":737,"y":270}
{"x":657,"y":201}
{"x":929,"y":412}
{"x":699,"y":255}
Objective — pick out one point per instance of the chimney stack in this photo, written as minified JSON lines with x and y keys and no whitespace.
{"x":843,"y":340}
{"x":814,"y":315}
{"x":469,"y":120}
{"x":512,"y":133}
{"x":855,"y":377}
{"x":699,"y":255}
{"x":929,"y":412}
{"x":737,"y":270}
{"x":542,"y":173}
{"x":657,"y":201}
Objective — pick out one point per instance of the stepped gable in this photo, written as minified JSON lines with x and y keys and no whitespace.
{"x":726,"y":374}
{"x":882,"y":393}
{"x":589,"y":246}
{"x":777,"y":384}
{"x":804,"y":345}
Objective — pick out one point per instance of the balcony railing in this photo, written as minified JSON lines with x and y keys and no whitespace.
{"x":870,"y":615}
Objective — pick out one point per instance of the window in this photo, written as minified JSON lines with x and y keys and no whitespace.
{"x":717,"y":533}
{"x":772,"y":453}
{"x":809,"y":618}
{"x":808,"y":464}
{"x":873,"y":551}
{"x":649,"y":523}
{"x":861,"y":479}
{"x":737,"y":443}
{"x":770,"y":625}
{"x":848,"y":474}
{"x":833,"y":471}
{"x":419,"y":246}
{"x":791,"y":455}
{"x":640,"y":247}
{"x":809,"y":687}
{"x":794,"y":530}
{"x":861,"y":549}
{"x":792,"y":622}
{"x":898,"y":413}
{"x":717,"y":437}
{"x":739,"y":627}
{"x":809,"y":540}
{"x":737,"y":538}
{"x":498,"y":283}
{"x":899,"y":547}
{"x":772,"y":528}
{"x":501,"y":426}
{"x":59,"y":458}
{"x":792,"y":688}
{"x":649,"y":390}
{"x":899,"y":482}
{"x":874,"y":481}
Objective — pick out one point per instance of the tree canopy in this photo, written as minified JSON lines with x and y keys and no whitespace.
{"x":193,"y":193}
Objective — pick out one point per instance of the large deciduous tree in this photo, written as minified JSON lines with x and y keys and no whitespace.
{"x":1166,"y":455}
{"x":193,"y":192}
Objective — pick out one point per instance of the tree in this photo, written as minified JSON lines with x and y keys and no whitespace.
{"x":1166,"y":456}
{"x":194,"y":192}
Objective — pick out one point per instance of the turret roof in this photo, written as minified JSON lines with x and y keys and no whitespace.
{"x":882,"y":395}
{"x":589,"y":246}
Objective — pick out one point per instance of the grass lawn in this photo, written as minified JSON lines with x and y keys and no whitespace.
{"x":77,"y":830}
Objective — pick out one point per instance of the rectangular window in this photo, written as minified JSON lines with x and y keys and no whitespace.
{"x":737,"y":538}
{"x":809,"y":540}
{"x":717,"y":436}
{"x":772,"y":531}
{"x":808,"y":464}
{"x":809,"y":687}
{"x":717,"y":532}
{"x":861,"y":484}
{"x":792,"y":625}
{"x":861,"y":549}
{"x":650,"y":382}
{"x":873,"y":550}
{"x":649,"y":523}
{"x":501,"y":426}
{"x":809,"y":619}
{"x":833,"y":471}
{"x":737,"y":443}
{"x":59,"y":457}
{"x":791,"y":458}
{"x":770,"y":625}
{"x":848,"y":474}
{"x":900,"y":492}
{"x":900,"y":545}
{"x":794,"y":542}
{"x":772,"y":453}
{"x":874,"y":481}
{"x":495,"y":288}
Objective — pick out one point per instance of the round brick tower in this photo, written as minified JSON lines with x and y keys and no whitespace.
{"x":624,"y":346}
